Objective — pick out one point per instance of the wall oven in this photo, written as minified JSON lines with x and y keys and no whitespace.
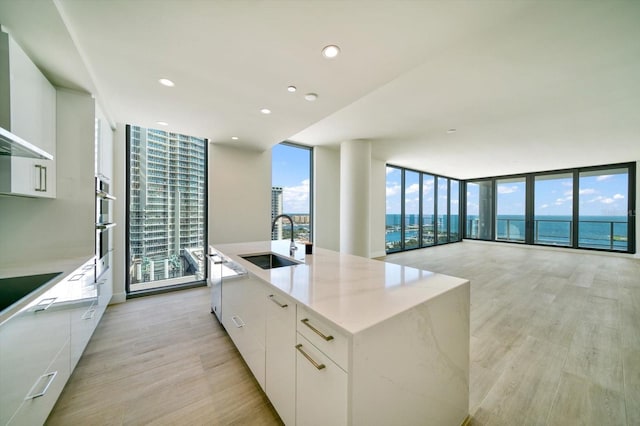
{"x":104,"y":225}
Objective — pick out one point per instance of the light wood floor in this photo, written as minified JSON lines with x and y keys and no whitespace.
{"x":555,"y":340}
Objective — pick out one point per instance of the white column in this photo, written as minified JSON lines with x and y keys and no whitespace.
{"x":166,"y":269}
{"x":355,"y":182}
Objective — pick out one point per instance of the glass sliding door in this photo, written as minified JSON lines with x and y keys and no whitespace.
{"x":428,"y":203}
{"x":166,"y":209}
{"x":393,"y":220}
{"x":411,"y":209}
{"x":511,"y":209}
{"x":442,"y":225}
{"x":603,"y":221}
{"x":553,"y":209}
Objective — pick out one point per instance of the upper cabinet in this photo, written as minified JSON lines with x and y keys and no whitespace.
{"x":104,"y":147}
{"x":28,"y":111}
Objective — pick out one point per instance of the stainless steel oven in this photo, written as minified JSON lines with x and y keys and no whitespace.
{"x":104,"y":224}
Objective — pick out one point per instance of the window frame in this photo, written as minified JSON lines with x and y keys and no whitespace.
{"x":530,"y":208}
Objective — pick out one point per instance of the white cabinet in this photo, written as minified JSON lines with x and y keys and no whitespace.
{"x":281,"y":355}
{"x":30,"y":113}
{"x":41,"y":344}
{"x":34,"y":356}
{"x":104,"y":148}
{"x":321,"y":387}
{"x":243,"y":316}
{"x":105,"y":288}
{"x":83,"y":303}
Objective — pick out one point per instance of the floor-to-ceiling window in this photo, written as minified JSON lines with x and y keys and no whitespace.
{"x":479,"y":210}
{"x":603,"y":220}
{"x":553,"y":209}
{"x":428,"y":212}
{"x":510,"y":209}
{"x":393,"y":220}
{"x":166,"y":209}
{"x":411,"y":209}
{"x":590,"y":207}
{"x":442,"y":207}
{"x":454,"y":210}
{"x":291,"y":190}
{"x":421,"y":209}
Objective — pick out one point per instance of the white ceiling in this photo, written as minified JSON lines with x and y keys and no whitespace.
{"x":528,"y":85}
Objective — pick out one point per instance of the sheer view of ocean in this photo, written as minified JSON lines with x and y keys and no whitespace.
{"x":606,"y":232}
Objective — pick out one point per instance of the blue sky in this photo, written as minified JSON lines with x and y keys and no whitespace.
{"x":290,"y":170}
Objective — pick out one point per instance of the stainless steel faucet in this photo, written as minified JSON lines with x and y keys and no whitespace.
{"x":292,"y":246}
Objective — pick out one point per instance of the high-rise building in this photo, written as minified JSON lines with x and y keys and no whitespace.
{"x":276,"y":209}
{"x":166,"y":212}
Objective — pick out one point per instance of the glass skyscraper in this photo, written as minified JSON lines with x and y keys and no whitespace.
{"x":167,"y":205}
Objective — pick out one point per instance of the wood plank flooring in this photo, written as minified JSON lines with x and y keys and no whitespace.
{"x":555,"y":340}
{"x":162,"y":360}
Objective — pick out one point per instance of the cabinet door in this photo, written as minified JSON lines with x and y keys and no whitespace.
{"x":34,"y":411}
{"x":243,"y":316}
{"x":105,"y":289}
{"x":281,"y":356}
{"x":83,"y":303}
{"x":30,"y":341}
{"x":32,"y":177}
{"x":33,"y":101}
{"x":321,"y":396}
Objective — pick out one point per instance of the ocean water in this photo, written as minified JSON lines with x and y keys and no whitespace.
{"x":605,"y":232}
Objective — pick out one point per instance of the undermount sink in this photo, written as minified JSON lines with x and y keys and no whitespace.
{"x":269,"y":260}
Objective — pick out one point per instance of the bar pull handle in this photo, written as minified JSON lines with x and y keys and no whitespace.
{"x":49,"y":377}
{"x":308,"y":357}
{"x":45,"y":304}
{"x":315,"y":330}
{"x":274,"y":300}
{"x":235,"y":321}
{"x":91,"y":312}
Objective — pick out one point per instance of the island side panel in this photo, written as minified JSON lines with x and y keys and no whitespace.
{"x":413,"y":369}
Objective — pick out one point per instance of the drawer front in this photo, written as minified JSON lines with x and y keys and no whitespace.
{"x":324,"y":336}
{"x":35,"y":410}
{"x":321,"y":387}
{"x":243,"y":316}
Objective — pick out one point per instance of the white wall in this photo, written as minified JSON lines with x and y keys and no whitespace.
{"x":378,"y":207}
{"x":63,"y":227}
{"x":326,"y":190}
{"x":239,"y":195}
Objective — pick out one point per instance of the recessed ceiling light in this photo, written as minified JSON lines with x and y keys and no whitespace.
{"x":330,"y":51}
{"x":265,"y":111}
{"x":235,"y":138}
{"x":162,"y":123}
{"x":291,"y":89}
{"x":451,"y":130}
{"x":166,"y":82}
{"x":311,"y":97}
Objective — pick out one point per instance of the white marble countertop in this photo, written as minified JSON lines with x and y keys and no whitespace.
{"x":352,"y":292}
{"x":64,"y":266}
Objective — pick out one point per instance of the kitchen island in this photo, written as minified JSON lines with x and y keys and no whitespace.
{"x":340,"y":339}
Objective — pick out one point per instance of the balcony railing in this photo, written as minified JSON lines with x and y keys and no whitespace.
{"x":608,"y":235}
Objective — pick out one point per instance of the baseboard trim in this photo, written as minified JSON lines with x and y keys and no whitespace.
{"x":118,"y":298}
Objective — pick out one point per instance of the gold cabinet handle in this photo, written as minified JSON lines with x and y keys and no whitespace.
{"x":308,"y":357}
{"x":274,"y":300}
{"x":315,"y":330}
